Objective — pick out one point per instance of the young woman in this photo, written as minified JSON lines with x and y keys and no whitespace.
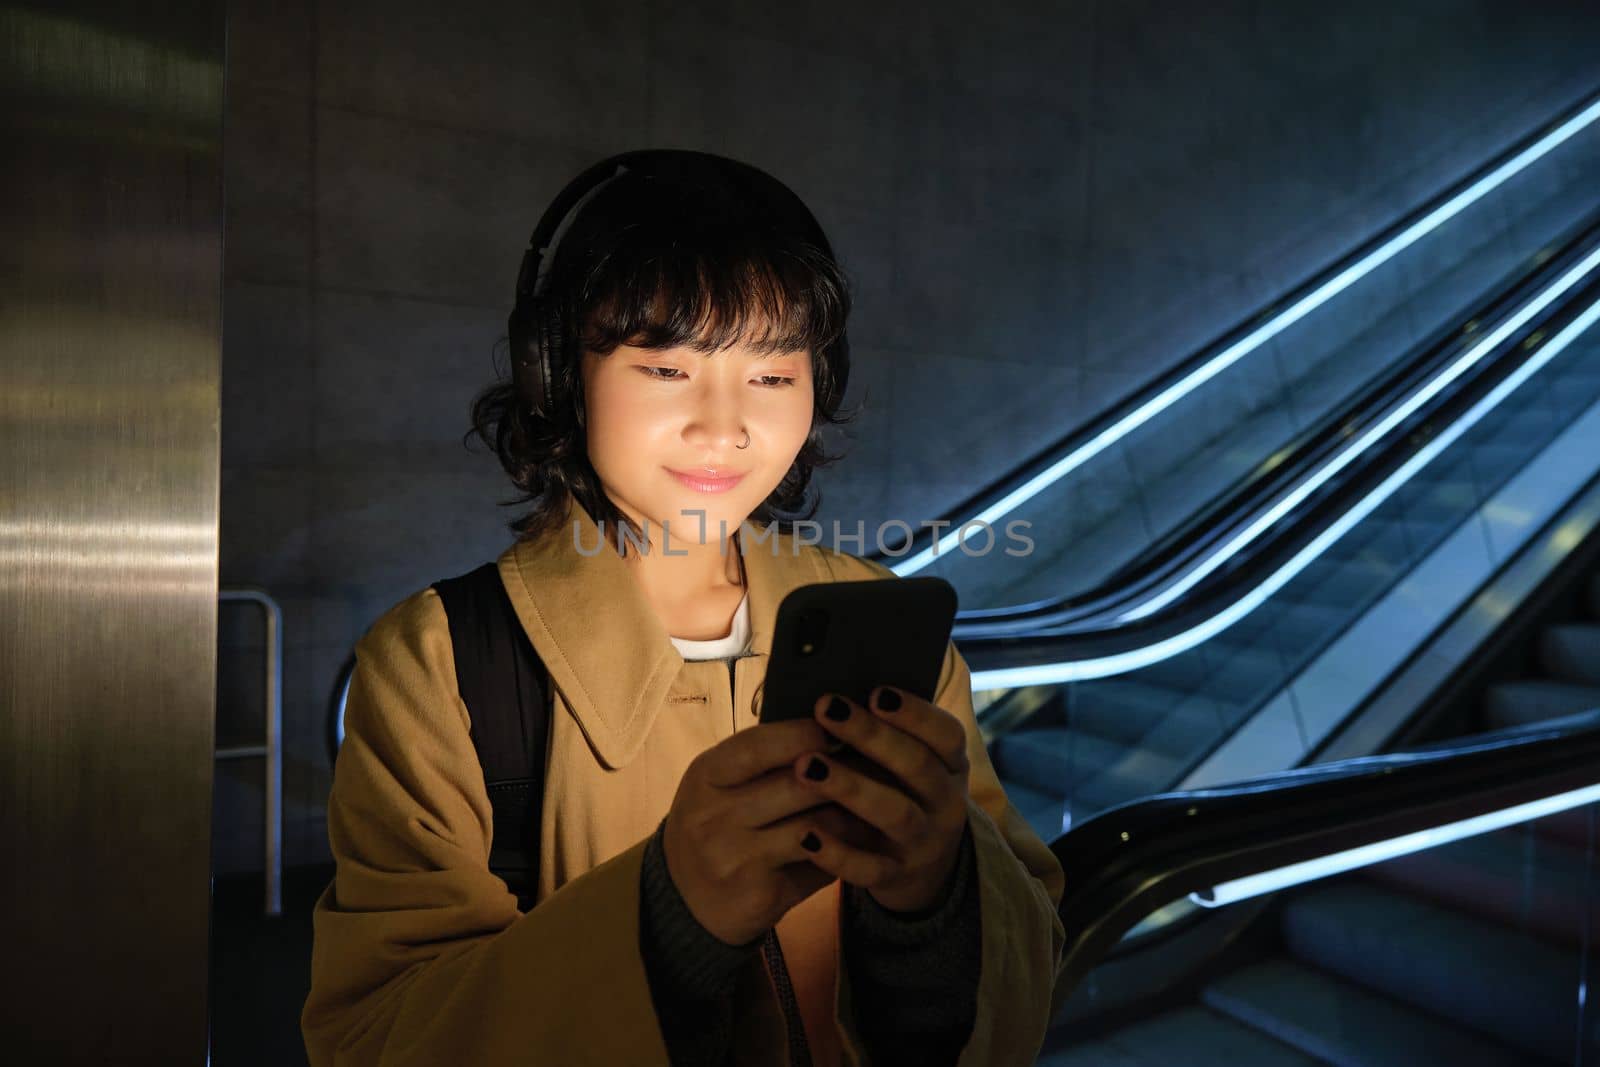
{"x":711,"y":889}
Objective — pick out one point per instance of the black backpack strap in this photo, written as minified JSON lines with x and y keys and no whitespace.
{"x":506,"y":689}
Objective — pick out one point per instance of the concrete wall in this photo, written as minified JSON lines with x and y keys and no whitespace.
{"x":1041,"y":206}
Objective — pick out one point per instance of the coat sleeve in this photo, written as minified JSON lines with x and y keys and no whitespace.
{"x":419,"y":955}
{"x":914,"y":976}
{"x":1020,"y":885}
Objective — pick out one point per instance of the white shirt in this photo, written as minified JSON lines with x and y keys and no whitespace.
{"x":736,"y":643}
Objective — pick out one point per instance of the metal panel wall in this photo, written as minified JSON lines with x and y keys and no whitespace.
{"x":110,"y":353}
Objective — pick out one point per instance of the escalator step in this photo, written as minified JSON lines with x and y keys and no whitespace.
{"x":1420,"y":505}
{"x":1151,"y":773}
{"x":1297,"y":630}
{"x":1514,"y":988}
{"x":1341,"y":1023}
{"x":1189,"y":1037}
{"x":1532,"y":700}
{"x":1135,"y":712}
{"x":1248,"y":676}
{"x":1575,"y":390}
{"x":1443,"y":498}
{"x":1059,"y":761}
{"x":1343,"y":585}
{"x":1050,"y":815}
{"x":1495,"y":463}
{"x":1376,"y":537}
{"x":1453,"y":466}
{"x":1228,"y":672}
{"x":1138,"y":771}
{"x":1048,"y":758}
{"x":1523,"y":421}
{"x":1518,"y":878}
{"x":1570,"y":652}
{"x":1184,"y":673}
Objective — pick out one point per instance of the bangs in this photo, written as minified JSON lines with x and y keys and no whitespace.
{"x":658,"y":288}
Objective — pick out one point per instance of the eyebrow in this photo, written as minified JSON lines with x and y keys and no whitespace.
{"x":796,"y":354}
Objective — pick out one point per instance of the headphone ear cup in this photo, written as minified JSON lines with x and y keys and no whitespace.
{"x":563,"y":361}
{"x":549,"y":358}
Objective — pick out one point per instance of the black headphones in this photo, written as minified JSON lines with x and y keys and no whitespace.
{"x":536,"y":330}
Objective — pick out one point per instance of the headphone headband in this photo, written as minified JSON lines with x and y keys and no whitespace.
{"x":683,"y":164}
{"x":559,"y":216}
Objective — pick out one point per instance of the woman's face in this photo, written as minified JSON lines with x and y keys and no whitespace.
{"x":653,"y":411}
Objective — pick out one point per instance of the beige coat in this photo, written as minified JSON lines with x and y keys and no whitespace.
{"x":420,"y":954}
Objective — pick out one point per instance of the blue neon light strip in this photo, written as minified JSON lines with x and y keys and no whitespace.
{"x":1122,"y":662}
{"x":1366,"y":441}
{"x":1239,"y":349}
{"x":1339,"y":862}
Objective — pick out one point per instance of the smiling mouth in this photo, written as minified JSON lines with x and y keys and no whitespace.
{"x":705,"y":483}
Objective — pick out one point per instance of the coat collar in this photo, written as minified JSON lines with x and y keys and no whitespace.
{"x":607,"y":651}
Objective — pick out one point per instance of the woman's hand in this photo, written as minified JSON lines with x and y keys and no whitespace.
{"x":921,"y":812}
{"x":737,"y":839}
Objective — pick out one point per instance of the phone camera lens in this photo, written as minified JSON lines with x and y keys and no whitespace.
{"x":812,"y":630}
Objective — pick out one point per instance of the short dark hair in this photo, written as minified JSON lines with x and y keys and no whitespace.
{"x":656,"y":265}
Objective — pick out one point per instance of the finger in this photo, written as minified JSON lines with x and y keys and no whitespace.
{"x":845,"y":862}
{"x":778,"y":795}
{"x":887,"y":808}
{"x":775,"y":795}
{"x":935,"y":727}
{"x":917,"y":769}
{"x":752,"y":752}
{"x":850,"y":828}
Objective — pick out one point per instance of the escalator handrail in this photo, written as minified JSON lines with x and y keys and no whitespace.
{"x":1132,"y":401}
{"x":1332,"y":503}
{"x":1124,"y":863}
{"x":1300,"y":459}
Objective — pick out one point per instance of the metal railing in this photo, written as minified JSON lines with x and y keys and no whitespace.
{"x":1161,"y":849}
{"x":271,"y":748}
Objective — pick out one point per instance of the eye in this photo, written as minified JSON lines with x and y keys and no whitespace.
{"x":672,"y":374}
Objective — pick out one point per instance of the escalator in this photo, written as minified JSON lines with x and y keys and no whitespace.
{"x":1474,"y":952}
{"x":1137,"y":703}
{"x":1105,"y":741}
{"x":1249,"y":637}
{"x":1332,"y":495}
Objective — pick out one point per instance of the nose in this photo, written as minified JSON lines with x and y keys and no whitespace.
{"x":717,"y":425}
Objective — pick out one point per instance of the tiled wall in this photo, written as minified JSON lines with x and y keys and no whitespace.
{"x":1041,"y":205}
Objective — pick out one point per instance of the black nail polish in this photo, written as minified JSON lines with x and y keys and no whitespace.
{"x":810,"y":843}
{"x":816,"y":770}
{"x":888,"y":700}
{"x":838,"y":711}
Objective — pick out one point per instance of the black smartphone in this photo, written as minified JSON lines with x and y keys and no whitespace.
{"x":851,"y":637}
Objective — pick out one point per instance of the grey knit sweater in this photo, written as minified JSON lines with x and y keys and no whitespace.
{"x":913,"y":976}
